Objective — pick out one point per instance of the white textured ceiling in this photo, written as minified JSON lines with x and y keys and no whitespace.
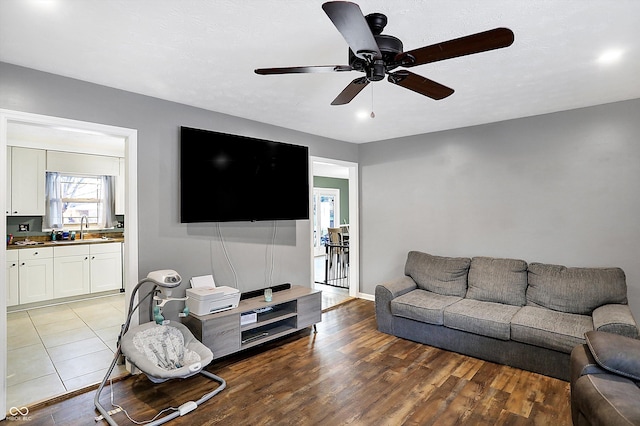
{"x":203,"y":53}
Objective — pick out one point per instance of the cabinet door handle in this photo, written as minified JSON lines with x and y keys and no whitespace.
{"x":93,"y":257}
{"x":22,"y":264}
{"x":35,"y":254}
{"x":13,"y":264}
{"x":86,"y":258}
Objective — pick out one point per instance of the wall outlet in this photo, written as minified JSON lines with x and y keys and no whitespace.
{"x":23,"y":227}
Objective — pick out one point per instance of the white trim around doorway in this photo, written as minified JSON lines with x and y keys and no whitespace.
{"x":131,"y":211}
{"x":354,"y":214}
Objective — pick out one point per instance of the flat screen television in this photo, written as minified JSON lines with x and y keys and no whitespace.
{"x":226,"y":178}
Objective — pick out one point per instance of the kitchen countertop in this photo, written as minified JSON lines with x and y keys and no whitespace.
{"x":61,"y":243}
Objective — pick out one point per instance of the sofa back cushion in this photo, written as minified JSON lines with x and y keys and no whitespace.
{"x":498,"y":280}
{"x":575,"y":290}
{"x":442,"y":275}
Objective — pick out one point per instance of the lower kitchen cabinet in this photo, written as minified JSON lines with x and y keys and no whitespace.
{"x":12,"y":278}
{"x":35,"y":274}
{"x":71,"y":271}
{"x":46,"y":273}
{"x":106,"y":267}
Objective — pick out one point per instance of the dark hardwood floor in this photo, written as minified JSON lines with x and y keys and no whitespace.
{"x":346,"y":373}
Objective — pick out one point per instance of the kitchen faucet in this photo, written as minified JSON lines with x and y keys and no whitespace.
{"x":82,"y":228}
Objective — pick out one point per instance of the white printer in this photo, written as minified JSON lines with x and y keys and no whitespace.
{"x":205,"y":298}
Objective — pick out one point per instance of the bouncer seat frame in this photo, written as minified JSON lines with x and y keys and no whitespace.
{"x":132,"y":344}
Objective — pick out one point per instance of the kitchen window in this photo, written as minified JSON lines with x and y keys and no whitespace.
{"x":69,"y":197}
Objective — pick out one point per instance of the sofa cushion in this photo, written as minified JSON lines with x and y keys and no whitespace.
{"x":575,"y":290}
{"x":498,"y":280}
{"x":422,"y":305}
{"x":484,"y":318}
{"x":617,"y":354}
{"x":442,"y":275}
{"x":559,"y":331}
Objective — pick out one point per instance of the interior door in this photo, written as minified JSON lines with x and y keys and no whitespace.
{"x":326,"y":214}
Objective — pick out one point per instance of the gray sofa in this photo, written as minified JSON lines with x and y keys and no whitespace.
{"x":528,"y":316}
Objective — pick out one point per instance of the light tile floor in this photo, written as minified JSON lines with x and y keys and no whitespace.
{"x":57,"y":349}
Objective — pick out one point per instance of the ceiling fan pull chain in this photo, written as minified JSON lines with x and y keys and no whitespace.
{"x":373,"y":115}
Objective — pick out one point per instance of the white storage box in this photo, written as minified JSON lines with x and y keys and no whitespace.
{"x":248,"y":318}
{"x":203,"y":301}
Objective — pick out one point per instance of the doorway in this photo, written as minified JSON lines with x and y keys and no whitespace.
{"x":326,"y":214}
{"x":130,"y":256}
{"x":334,"y":206}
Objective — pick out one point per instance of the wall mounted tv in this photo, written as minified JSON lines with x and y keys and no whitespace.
{"x":227,"y":178}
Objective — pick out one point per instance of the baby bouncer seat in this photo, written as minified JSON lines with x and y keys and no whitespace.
{"x":162,"y":352}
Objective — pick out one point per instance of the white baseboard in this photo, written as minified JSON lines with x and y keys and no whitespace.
{"x":366,"y":296}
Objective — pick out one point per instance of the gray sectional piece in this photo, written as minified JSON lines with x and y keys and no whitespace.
{"x":528,"y":316}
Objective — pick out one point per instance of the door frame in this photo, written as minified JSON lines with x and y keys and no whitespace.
{"x":131,"y":210}
{"x":354,"y":215}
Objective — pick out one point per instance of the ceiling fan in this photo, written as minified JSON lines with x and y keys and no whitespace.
{"x":378,"y":54}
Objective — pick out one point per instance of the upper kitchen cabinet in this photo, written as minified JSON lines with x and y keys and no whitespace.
{"x":26,"y":178}
{"x":83,"y":164}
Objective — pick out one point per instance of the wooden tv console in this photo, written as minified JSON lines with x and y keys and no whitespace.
{"x":237,"y":329}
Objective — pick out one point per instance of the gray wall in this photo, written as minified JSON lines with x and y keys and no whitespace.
{"x":561,"y":188}
{"x":165,"y":243}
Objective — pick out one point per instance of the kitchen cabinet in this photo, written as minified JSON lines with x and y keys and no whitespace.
{"x":71,"y":270}
{"x":106,"y":267}
{"x":47,"y":273}
{"x":83,"y":164}
{"x":35,"y":274}
{"x":27,"y":182}
{"x":12,"y":278}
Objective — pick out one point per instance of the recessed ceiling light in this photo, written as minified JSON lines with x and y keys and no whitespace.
{"x":610,"y":56}
{"x":45,"y":4}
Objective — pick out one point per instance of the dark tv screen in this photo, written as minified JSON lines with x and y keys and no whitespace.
{"x":227,"y":178}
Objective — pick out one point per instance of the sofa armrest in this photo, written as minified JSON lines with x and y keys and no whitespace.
{"x":616,"y":319}
{"x":583,"y":363}
{"x":384,"y":294}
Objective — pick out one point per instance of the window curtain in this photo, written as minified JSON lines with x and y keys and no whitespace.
{"x":108,"y":201}
{"x":53,"y":203}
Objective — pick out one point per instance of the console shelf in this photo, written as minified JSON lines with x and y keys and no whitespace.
{"x":289,"y":311}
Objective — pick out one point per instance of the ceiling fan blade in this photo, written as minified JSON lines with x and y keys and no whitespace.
{"x":303,"y":70}
{"x":349,"y":20}
{"x":420,"y":84}
{"x":475,"y":43}
{"x":351,"y":91}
